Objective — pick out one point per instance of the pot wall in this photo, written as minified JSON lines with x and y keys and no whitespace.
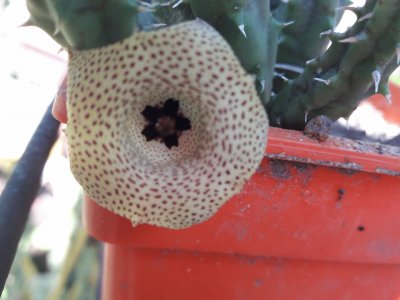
{"x":155,"y":274}
{"x":317,"y":219}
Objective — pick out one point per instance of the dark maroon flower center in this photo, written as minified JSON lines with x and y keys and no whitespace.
{"x":165,"y":123}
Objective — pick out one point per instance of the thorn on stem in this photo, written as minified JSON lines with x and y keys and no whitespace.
{"x":365,"y":17}
{"x":353,"y":9}
{"x":57,"y":29}
{"x":179,"y":2}
{"x":281,"y":76}
{"x":325,"y":81}
{"x":288,"y":23}
{"x":311,"y":61}
{"x":327,"y":33}
{"x":388,"y":99}
{"x":376,"y":77}
{"x":241,"y":28}
{"x":27,"y":23}
{"x":262,"y":85}
{"x":355,"y":39}
{"x":288,"y":67}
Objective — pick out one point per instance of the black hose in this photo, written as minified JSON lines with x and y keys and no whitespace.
{"x":21,"y":189}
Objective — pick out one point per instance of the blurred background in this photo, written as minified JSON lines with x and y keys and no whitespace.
{"x":56,"y":258}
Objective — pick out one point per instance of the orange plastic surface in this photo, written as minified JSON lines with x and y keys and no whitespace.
{"x":154,"y":274}
{"x":319,"y":220}
{"x":391,"y":112}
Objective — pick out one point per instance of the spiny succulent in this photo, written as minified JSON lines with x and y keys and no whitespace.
{"x":84,"y":24}
{"x":164,"y":126}
{"x":357,"y":65}
{"x":300,"y":40}
{"x":251,"y":31}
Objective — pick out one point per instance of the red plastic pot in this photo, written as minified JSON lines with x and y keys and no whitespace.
{"x":317,"y":221}
{"x":390,"y":111}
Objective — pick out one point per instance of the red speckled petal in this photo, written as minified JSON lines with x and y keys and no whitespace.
{"x":144,"y":181}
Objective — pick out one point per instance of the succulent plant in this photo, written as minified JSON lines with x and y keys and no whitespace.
{"x":249,"y":28}
{"x":166,"y":124}
{"x":85,"y":24}
{"x":356,"y":65}
{"x":300,"y":39}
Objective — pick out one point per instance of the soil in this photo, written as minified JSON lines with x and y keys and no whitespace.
{"x":345,"y":165}
{"x":318,"y":128}
{"x":357,"y":141}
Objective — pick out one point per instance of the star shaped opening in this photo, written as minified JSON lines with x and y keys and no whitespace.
{"x":165,"y":123}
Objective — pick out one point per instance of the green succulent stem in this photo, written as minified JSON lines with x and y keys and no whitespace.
{"x":84,"y":24}
{"x":251,"y":31}
{"x":356,"y":66}
{"x":174,"y":13}
{"x":270,"y":37}
{"x":301,"y":40}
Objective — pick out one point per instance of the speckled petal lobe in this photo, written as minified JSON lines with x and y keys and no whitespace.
{"x":144,"y":181}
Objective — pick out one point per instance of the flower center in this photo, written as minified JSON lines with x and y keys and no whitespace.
{"x":165,"y":123}
{"x":166,"y":126}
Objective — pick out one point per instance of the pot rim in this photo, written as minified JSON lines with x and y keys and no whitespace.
{"x":335,"y":152}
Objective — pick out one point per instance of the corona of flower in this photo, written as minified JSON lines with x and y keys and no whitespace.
{"x":164,"y":126}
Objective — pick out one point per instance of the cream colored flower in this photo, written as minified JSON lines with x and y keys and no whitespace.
{"x":165,"y":126}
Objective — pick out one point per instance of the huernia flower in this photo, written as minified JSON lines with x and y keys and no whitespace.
{"x":165,"y":126}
